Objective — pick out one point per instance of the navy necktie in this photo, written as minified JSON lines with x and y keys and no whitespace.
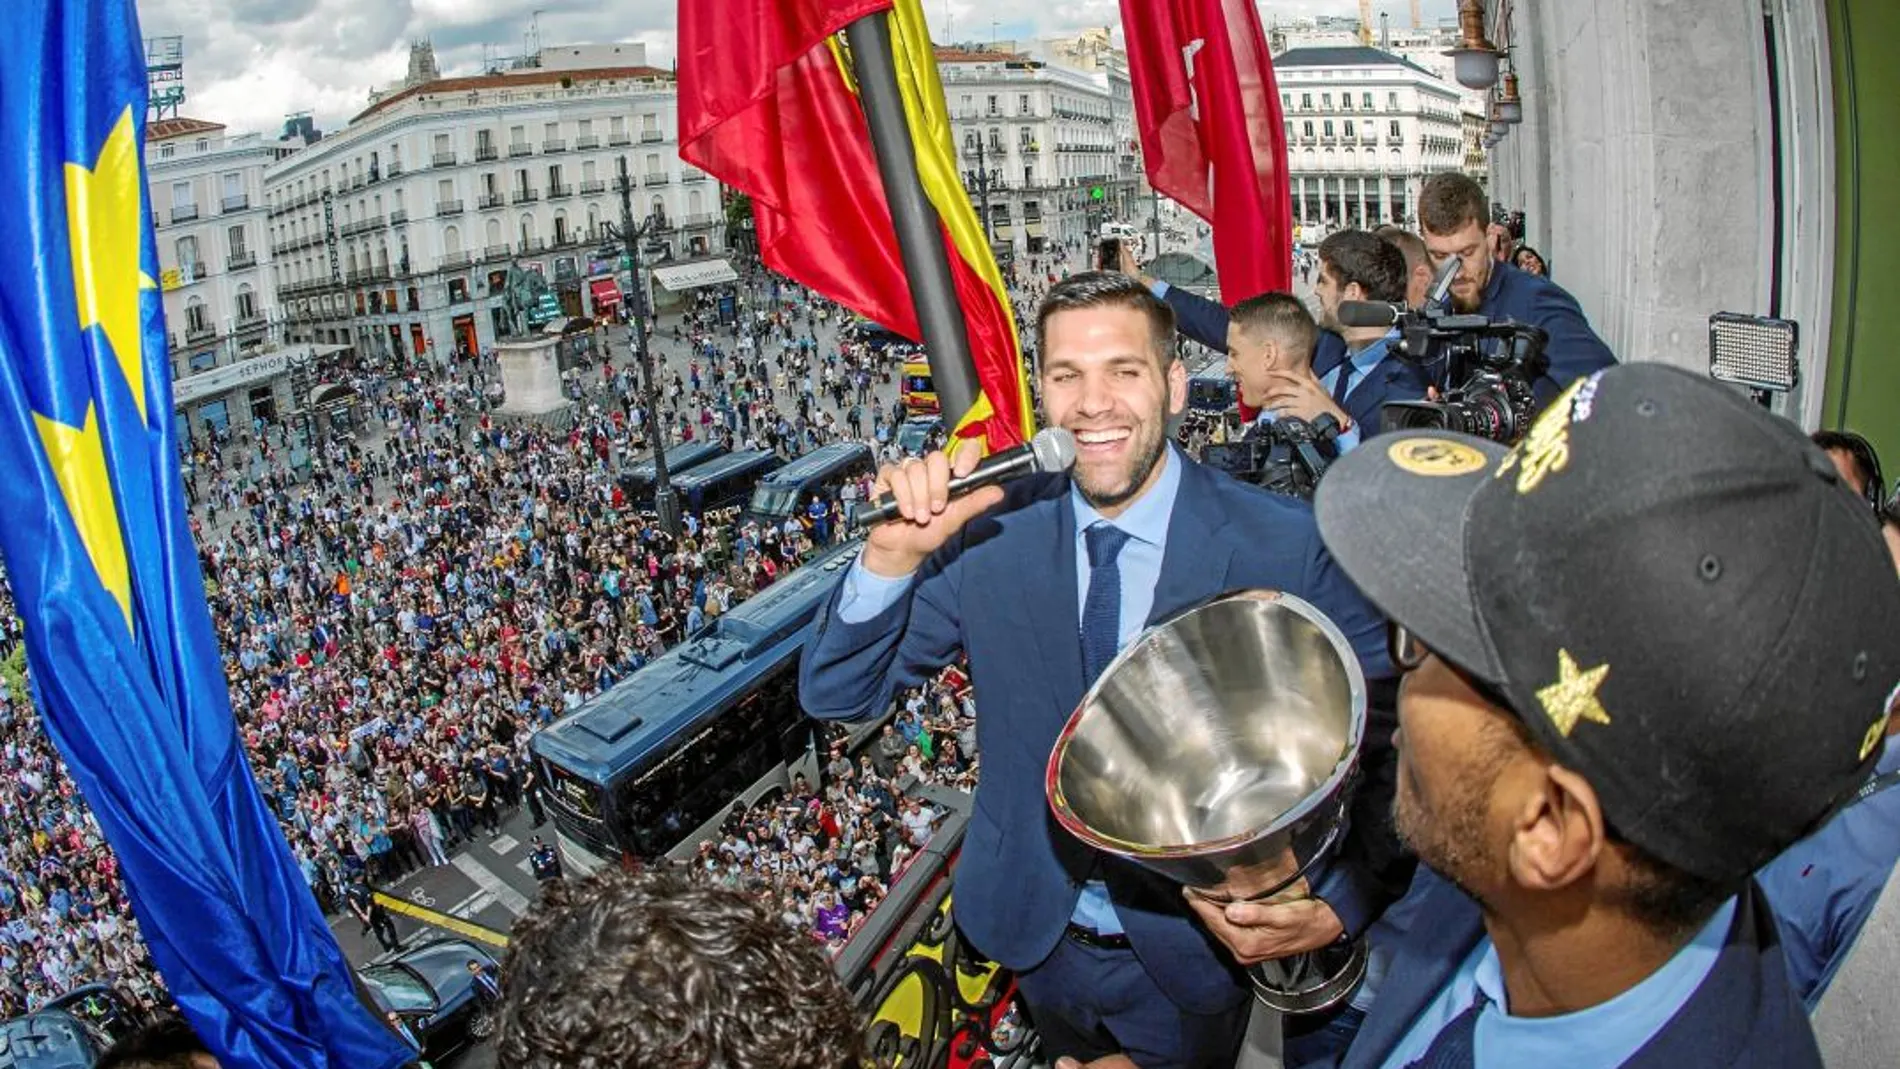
{"x":1102,"y":610}
{"x":1455,"y":1046}
{"x":1343,"y":384}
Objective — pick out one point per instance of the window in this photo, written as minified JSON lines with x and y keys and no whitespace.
{"x":1023,"y":136}
{"x":182,"y":196}
{"x":1306,"y":102}
{"x":1286,"y":101}
{"x":458,"y":290}
{"x":1022,"y":105}
{"x":484,"y":141}
{"x":1306,"y":128}
{"x":521,"y":180}
{"x":441,"y":144}
{"x":206,"y":360}
{"x":996,"y":139}
{"x":165,"y":151}
{"x":1029,"y":176}
{"x":1349,"y":131}
{"x":197,"y":320}
{"x":1365,"y":101}
{"x":653,"y":164}
{"x":554,"y":175}
{"x":649,"y":124}
{"x":203,"y":145}
{"x":587,"y":128}
{"x":187,"y":249}
{"x":1392,"y":102}
{"x":234,"y":237}
{"x":246,"y":303}
{"x":993,"y":108}
{"x":617,"y":125}
{"x":444,"y":190}
{"x":1345,"y":101}
{"x":1327,"y":128}
{"x":1392,"y":129}
{"x":552,"y":132}
{"x":1326,"y":101}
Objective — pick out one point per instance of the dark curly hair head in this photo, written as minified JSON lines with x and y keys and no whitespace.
{"x":663,"y":970}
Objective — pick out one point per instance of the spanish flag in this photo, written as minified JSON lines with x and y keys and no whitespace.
{"x":769,"y":106}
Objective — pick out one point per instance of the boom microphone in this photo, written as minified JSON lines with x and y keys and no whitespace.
{"x":1368,"y":313}
{"x":1052,"y":449}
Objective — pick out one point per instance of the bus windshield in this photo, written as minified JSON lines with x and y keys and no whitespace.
{"x":778,"y":501}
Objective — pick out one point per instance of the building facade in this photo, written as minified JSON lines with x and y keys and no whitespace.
{"x":1364,"y":128}
{"x":223,"y":325}
{"x":395,"y":235}
{"x":1041,"y":142}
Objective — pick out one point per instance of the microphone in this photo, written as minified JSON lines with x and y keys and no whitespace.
{"x":1052,"y":449}
{"x":1368,"y":313}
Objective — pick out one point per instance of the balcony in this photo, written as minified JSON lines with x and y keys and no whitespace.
{"x":620,"y":138}
{"x":442,"y":159}
{"x":486,"y":153}
{"x":251,"y":322}
{"x":196,"y":332}
{"x":558,"y":192}
{"x":489,"y":201}
{"x":398,"y":217}
{"x":524,"y":196}
{"x":554,"y":144}
{"x":521,"y":148}
{"x":593,"y":185}
{"x":698,"y":219}
{"x":452,"y":260}
{"x":692,"y":174}
{"x":531,"y":246}
{"x":184,"y":213}
{"x":375,"y":176}
{"x":651,"y":137}
{"x":447,"y":207}
{"x":395,"y":170}
{"x":357,"y":182}
{"x":585,"y":142}
{"x":235,"y":204}
{"x":240,"y":260}
{"x":192,"y":272}
{"x":563,"y":238}
{"x":497,"y":252}
{"x":653,"y":180}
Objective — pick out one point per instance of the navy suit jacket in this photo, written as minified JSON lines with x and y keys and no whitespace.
{"x":1744,"y":1014}
{"x":1004,"y":591}
{"x":1391,"y":379}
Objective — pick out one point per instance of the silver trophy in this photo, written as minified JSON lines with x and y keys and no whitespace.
{"x":1218,"y":750}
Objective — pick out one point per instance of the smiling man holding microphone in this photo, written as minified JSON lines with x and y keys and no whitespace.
{"x":1040,"y":582}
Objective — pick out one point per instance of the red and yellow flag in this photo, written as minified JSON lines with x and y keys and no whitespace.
{"x":769,"y":107}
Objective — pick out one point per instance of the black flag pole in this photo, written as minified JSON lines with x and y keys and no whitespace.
{"x":920,"y":239}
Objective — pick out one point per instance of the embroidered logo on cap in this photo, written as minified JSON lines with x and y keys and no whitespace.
{"x":1435,"y":457}
{"x":1574,"y":696}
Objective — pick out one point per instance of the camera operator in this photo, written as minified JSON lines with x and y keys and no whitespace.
{"x":1455,"y":216}
{"x":1354,"y":382}
{"x":1589,"y":773}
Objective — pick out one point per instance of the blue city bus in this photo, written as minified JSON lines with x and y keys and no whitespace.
{"x":647,"y":769}
{"x":725,"y":483}
{"x":639,"y":480}
{"x":823,"y":471}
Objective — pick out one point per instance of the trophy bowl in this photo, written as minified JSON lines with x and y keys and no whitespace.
{"x":1218,"y":749}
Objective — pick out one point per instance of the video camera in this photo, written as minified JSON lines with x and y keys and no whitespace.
{"x":1494,"y":363}
{"x":1283,"y":456}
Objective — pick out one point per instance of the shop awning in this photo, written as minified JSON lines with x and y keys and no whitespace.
{"x":328,"y":394}
{"x":606,"y":293}
{"x":682,"y":277}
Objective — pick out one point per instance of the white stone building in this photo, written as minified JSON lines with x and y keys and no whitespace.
{"x":222,"y":322}
{"x":1048,"y":136}
{"x":1364,"y":128}
{"x":393,"y":235}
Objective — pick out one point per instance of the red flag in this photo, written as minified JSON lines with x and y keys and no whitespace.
{"x":768,"y":105}
{"x":1212,"y":131}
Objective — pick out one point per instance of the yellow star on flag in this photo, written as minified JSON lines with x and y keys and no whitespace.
{"x":1574,"y":696}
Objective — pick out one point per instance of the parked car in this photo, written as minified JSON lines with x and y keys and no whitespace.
{"x":430,"y":987}
{"x":50,"y":1039}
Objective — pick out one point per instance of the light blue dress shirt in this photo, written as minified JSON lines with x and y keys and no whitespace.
{"x":1363,"y":362}
{"x":1601,"y":1037}
{"x":1146,"y":523}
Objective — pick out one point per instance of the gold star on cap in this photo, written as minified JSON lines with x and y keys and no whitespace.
{"x":1574,"y":696}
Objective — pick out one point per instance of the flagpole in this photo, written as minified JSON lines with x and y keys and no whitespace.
{"x":919,"y":230}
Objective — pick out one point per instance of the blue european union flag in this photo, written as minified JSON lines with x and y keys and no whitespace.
{"x":120,"y":647}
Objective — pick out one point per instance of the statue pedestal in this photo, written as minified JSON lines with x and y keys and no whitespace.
{"x":531,"y":377}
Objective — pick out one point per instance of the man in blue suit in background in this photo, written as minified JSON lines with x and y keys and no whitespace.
{"x":1040,"y":586}
{"x":1351,"y":382}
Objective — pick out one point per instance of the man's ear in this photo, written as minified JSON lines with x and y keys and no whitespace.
{"x":1557,"y":833}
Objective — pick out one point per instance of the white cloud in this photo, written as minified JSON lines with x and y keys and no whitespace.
{"x":248,"y":63}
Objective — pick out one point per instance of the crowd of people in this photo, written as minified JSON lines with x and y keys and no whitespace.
{"x":400,"y":608}
{"x":828,"y":855}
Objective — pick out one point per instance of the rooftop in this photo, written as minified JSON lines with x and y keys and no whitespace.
{"x":515,"y":79}
{"x":166,"y":129}
{"x":953,"y":54}
{"x":1353,"y":56}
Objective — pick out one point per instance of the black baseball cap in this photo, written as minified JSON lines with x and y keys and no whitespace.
{"x":1670,"y":587}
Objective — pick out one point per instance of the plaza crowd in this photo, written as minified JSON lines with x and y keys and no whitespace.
{"x":400,"y":609}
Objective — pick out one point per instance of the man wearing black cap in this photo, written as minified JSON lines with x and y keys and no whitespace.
{"x":1649,"y":648}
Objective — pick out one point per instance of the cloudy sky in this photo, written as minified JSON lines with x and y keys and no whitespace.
{"x":248,"y":63}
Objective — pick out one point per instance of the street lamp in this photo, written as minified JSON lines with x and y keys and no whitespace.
{"x":665,"y":504}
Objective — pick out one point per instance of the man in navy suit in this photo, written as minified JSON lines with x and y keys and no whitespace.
{"x":1352,"y":383}
{"x":1588,"y":770}
{"x":1039,"y":586}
